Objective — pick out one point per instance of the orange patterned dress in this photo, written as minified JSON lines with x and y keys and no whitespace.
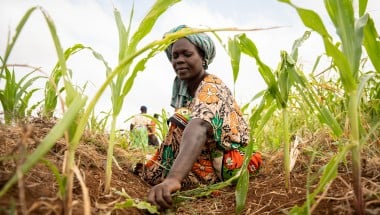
{"x":223,"y":154}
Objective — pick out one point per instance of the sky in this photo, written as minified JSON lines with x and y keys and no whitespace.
{"x":91,"y":23}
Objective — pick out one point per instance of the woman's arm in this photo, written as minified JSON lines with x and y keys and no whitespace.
{"x":193,"y":139}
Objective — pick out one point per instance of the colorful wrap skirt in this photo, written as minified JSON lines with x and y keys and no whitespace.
{"x":204,"y":170}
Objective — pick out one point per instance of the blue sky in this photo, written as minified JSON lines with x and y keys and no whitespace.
{"x":91,"y":23}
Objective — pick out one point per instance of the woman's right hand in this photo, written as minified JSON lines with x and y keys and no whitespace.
{"x":193,"y":139}
{"x":160,"y":194}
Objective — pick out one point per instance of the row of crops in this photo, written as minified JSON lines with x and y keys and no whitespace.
{"x":349,"y":105}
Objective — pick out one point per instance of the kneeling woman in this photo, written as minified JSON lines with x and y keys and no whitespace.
{"x":207,"y":134}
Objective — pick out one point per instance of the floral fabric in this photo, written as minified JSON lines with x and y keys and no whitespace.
{"x":215,"y":104}
{"x":223,"y":154}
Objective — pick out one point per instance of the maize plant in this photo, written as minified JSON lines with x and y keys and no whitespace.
{"x":16,"y":94}
{"x":353,"y":31}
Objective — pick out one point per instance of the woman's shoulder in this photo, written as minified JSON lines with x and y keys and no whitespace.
{"x":211,"y":78}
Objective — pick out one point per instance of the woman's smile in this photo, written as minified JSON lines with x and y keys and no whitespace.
{"x":182,"y":70}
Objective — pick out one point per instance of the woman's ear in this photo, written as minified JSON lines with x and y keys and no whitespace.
{"x":204,"y":63}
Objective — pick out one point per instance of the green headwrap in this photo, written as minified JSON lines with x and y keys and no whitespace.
{"x":180,"y":96}
{"x":201,"y":40}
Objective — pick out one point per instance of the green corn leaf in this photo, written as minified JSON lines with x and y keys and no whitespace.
{"x":297,"y":44}
{"x":16,"y":94}
{"x":351,"y":33}
{"x":330,"y":172}
{"x":371,"y":43}
{"x":128,"y":32}
{"x":142,"y":205}
{"x":127,"y":54}
{"x":25,"y":103}
{"x":266,"y":116}
{"x":243,"y":180}
{"x":363,"y":82}
{"x":310,"y":98}
{"x":33,"y":107}
{"x":126,"y":204}
{"x":362,"y":7}
{"x":100,"y":57}
{"x":345,"y":63}
{"x":328,"y":119}
{"x":50,"y":87}
{"x":234,"y":53}
{"x":241,"y":191}
{"x":71,"y":93}
{"x":263,"y":113}
{"x":129,"y":83}
{"x":249,"y":48}
{"x":316,"y":63}
{"x":123,"y":33}
{"x":163,"y":126}
{"x":149,"y":20}
{"x":57,"y":43}
{"x":139,"y":67}
{"x":256,"y":96}
{"x":360,"y":24}
{"x":58,"y":177}
{"x":287,"y":69}
{"x":313,"y":21}
{"x":8,"y":95}
{"x":310,"y":19}
{"x":11,"y":44}
{"x":48,"y":142}
{"x":123,"y":52}
{"x":341,"y":62}
{"x":283,"y":77}
{"x":24,"y":87}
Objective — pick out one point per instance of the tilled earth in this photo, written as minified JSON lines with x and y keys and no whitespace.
{"x":266,"y":194}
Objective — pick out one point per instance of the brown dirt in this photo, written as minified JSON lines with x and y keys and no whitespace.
{"x":266,"y":194}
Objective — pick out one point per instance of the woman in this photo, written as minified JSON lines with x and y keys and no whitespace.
{"x":207,"y":134}
{"x":139,"y":129}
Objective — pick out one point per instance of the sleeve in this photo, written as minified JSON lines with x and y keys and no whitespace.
{"x":215,"y":104}
{"x":207,"y":102}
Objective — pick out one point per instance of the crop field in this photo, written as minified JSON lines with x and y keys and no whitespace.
{"x":319,"y":133}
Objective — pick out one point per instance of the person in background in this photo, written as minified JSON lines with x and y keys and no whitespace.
{"x":139,"y":129}
{"x":152,"y":138}
{"x":207,"y":135}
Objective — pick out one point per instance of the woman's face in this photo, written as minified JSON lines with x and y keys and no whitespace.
{"x":186,"y":60}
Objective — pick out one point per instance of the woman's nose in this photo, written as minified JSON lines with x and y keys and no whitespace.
{"x":179,"y":59}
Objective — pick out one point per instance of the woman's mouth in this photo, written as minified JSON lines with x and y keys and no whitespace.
{"x":182,"y":71}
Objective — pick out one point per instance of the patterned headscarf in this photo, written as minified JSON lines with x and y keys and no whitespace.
{"x":201,"y":40}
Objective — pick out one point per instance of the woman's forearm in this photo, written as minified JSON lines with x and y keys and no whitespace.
{"x":193,"y":139}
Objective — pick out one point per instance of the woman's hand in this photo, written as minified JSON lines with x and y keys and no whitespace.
{"x":160,"y":194}
{"x":193,"y":139}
